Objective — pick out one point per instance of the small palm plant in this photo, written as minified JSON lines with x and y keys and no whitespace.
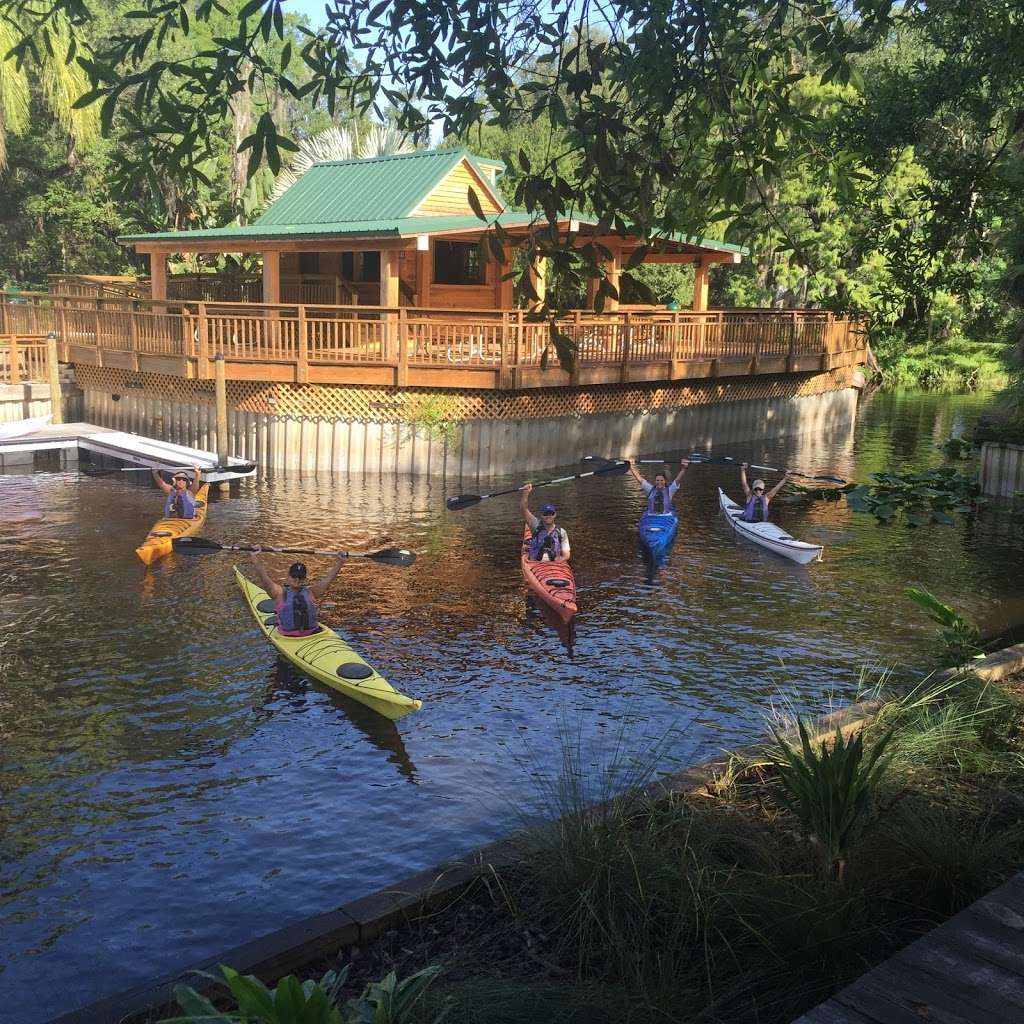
{"x":391,"y":1001}
{"x":830,"y":787}
{"x":961,"y":640}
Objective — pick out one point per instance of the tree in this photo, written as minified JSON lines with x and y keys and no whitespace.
{"x":43,"y":58}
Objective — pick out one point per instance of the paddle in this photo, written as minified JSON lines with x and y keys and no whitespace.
{"x":730,"y":461}
{"x":465,"y":500}
{"x":200,"y":546}
{"x":90,"y":470}
{"x":727,"y":460}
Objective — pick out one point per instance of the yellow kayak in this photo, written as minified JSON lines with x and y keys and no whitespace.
{"x":158,"y":540}
{"x":324,"y":656}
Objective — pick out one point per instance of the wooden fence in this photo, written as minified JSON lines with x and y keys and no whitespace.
{"x":431,"y":347}
{"x":23,"y":359}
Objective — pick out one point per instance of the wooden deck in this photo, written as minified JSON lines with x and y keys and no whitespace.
{"x":969,"y":970}
{"x":445,"y":348}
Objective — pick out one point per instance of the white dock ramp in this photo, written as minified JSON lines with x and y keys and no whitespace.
{"x":132,"y":449}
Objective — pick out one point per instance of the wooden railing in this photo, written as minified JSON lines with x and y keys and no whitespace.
{"x":441,"y":347}
{"x":22,"y":359}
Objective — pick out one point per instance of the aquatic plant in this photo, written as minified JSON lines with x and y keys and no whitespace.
{"x":830,"y":787}
{"x":960,"y":639}
{"x":437,"y":416}
{"x":931,"y":496}
{"x":391,"y":1001}
{"x":957,"y":448}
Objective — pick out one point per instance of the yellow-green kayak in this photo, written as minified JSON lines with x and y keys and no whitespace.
{"x":324,"y":656}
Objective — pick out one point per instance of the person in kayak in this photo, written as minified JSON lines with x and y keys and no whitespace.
{"x":295,"y":603}
{"x":661,"y":492}
{"x":549,"y":543}
{"x":757,"y":501}
{"x":181,"y":493}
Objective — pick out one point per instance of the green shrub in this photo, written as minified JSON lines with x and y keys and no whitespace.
{"x":830,"y":787}
{"x":960,"y":639}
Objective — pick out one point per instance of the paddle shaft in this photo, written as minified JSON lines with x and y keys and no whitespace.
{"x":397,"y":556}
{"x":243,"y":468}
{"x":726,"y":460}
{"x":465,"y":500}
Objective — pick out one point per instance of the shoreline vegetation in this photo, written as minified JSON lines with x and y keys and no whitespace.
{"x":790,"y":873}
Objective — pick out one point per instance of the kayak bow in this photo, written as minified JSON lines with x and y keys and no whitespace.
{"x":768,"y":535}
{"x":551,"y":582}
{"x":657,"y":532}
{"x":327,"y":658}
{"x":159,"y":540}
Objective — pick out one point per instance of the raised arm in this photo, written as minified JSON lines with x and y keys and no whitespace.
{"x":195,"y":485}
{"x":683,"y":463}
{"x":322,"y":585}
{"x":524,"y":495}
{"x":160,"y":481}
{"x":778,"y":487}
{"x":635,"y":473}
{"x":743,"y":480}
{"x":274,"y":590}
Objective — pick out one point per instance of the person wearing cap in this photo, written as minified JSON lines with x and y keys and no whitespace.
{"x":661,"y":492}
{"x":181,"y":493}
{"x":295,"y":603}
{"x":756,"y":508}
{"x":549,"y":543}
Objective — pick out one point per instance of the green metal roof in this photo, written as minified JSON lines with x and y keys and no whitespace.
{"x":372,"y":199}
{"x":350,"y":191}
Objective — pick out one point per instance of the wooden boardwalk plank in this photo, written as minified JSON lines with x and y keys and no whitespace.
{"x":969,"y":970}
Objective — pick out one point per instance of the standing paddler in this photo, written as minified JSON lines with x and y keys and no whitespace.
{"x":548,"y":542}
{"x":181,"y":493}
{"x":661,"y":493}
{"x":757,"y":500}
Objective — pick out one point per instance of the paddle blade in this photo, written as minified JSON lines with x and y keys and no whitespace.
{"x":393,"y":556}
{"x":462,"y":501}
{"x":830,"y":479}
{"x":196,"y":545}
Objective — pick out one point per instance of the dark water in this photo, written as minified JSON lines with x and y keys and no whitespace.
{"x":167,"y":791}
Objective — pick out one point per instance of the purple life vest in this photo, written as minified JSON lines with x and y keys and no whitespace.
{"x":180,"y":505}
{"x":756,"y":509}
{"x":659,"y":503}
{"x":296,"y":613}
{"x":543,"y":541}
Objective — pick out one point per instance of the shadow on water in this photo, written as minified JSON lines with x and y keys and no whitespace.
{"x":565,"y":631}
{"x":289,"y":684}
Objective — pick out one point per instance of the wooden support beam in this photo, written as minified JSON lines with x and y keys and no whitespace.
{"x":700,"y":287}
{"x":271,"y":277}
{"x":157,"y":276}
{"x":538,"y":269}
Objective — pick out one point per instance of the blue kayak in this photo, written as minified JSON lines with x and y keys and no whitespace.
{"x":657,"y":534}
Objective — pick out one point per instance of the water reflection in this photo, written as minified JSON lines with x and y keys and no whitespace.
{"x":165,"y":791}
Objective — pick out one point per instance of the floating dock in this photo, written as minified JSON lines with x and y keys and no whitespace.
{"x":71,"y":439}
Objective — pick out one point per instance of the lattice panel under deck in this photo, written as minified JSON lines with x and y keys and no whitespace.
{"x":390,"y":404}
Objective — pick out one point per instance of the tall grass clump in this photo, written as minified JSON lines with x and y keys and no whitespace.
{"x":830,"y":787}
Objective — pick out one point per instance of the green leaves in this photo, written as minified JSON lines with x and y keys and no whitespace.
{"x":830,"y":787}
{"x":921,"y":498}
{"x":960,"y":639}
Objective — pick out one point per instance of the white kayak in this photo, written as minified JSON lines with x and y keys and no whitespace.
{"x":21,"y":428}
{"x":768,"y":535}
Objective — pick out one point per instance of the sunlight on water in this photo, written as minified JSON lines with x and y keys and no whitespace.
{"x":168,"y":790}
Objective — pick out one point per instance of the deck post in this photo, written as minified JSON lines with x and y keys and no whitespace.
{"x":15,"y":368}
{"x":402,"y":369}
{"x":503,"y":374}
{"x":62,"y":319}
{"x":700,"y":286}
{"x":53,"y":375}
{"x":220,"y":395}
{"x":791,"y":356}
{"x":203,"y":350}
{"x":3,"y":314}
{"x":158,"y":276}
{"x":627,"y":344}
{"x":302,"y":349}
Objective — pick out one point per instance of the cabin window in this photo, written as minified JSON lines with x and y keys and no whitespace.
{"x":309,"y":263}
{"x":457,"y":263}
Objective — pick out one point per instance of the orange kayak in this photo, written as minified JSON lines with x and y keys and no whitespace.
{"x":158,"y":540}
{"x":550,"y":582}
